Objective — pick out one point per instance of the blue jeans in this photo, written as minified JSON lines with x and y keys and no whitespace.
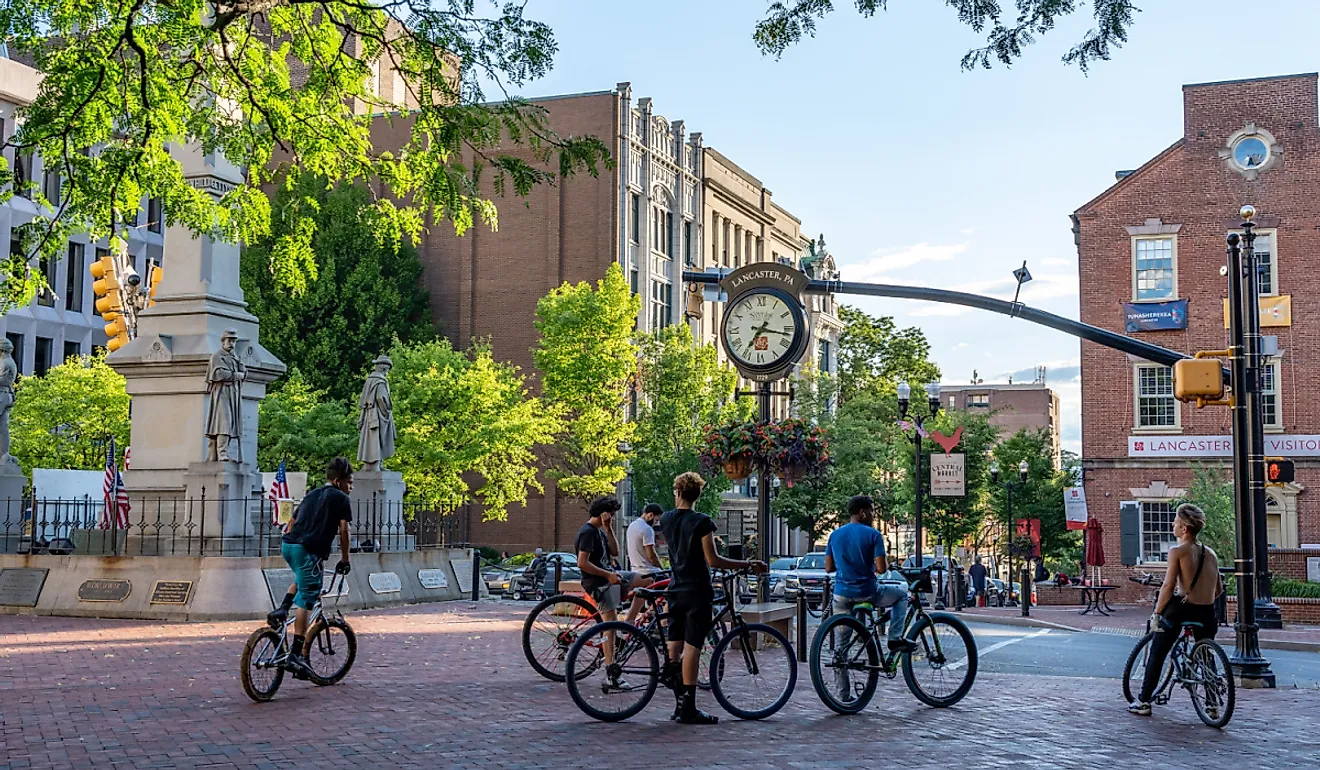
{"x":888,"y":595}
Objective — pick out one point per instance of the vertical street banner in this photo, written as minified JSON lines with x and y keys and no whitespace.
{"x":1074,"y":507}
{"x":948,"y":475}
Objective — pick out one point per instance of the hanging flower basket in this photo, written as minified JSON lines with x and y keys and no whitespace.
{"x":738,"y":468}
{"x":733,"y":448}
{"x":798,"y":449}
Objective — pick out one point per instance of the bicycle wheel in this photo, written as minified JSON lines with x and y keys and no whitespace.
{"x":708,"y":650}
{"x":1134,"y":672}
{"x":845,"y":664}
{"x":757,"y":671}
{"x":940,"y":671}
{"x":260,"y":665}
{"x":331,"y":648}
{"x":1213,"y":693}
{"x":550,"y":630}
{"x":614,"y":692}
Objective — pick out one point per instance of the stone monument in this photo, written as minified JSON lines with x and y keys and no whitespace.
{"x":196,"y":372}
{"x":12,"y":480}
{"x":377,"y":493}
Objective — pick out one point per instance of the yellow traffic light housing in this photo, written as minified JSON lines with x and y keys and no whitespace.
{"x":106,"y":282}
{"x":109,"y":305}
{"x":118,"y":342}
{"x":1200,"y":380}
{"x":156,"y":275}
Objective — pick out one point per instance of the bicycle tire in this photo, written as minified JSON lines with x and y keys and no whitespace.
{"x":1210,"y":650}
{"x":320,"y":645}
{"x":637,"y":642}
{"x":918,"y":635}
{"x":583,"y":617}
{"x":824,"y":635}
{"x":720,"y":684}
{"x":708,"y":652}
{"x":1134,"y":671}
{"x":254,"y":690}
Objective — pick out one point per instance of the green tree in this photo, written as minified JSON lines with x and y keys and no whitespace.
{"x":1212,"y":490}
{"x":285,"y":90}
{"x":365,"y":294}
{"x":788,"y":21}
{"x":874,"y":354}
{"x":951,"y":521}
{"x":1042,"y":495}
{"x":586,"y":359}
{"x":683,"y":388}
{"x":59,"y":419}
{"x":304,"y":427}
{"x":467,"y":428}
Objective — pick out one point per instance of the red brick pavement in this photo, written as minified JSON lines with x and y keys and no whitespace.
{"x":446,"y":686}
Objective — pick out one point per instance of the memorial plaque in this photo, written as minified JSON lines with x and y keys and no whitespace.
{"x":100,"y":590}
{"x":171,"y":592}
{"x":385,"y":582}
{"x":1313,"y":569}
{"x":21,"y":586}
{"x":463,"y":571}
{"x":432,"y":578}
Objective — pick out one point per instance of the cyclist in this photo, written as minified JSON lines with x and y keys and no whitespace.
{"x":641,"y":541}
{"x":856,"y":553}
{"x":596,"y":546}
{"x":1195,"y":603}
{"x":690,"y":537}
{"x":322,"y":514}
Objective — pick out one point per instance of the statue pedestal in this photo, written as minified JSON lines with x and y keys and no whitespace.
{"x":12,"y":504}
{"x":378,"y":510}
{"x":224,"y":499}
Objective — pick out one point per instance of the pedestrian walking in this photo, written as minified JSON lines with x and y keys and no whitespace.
{"x":978,"y":574}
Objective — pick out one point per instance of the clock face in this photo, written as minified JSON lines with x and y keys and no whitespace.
{"x":761,"y":329}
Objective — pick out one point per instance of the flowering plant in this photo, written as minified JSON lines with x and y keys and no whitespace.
{"x":734,"y":446}
{"x":798,"y":449}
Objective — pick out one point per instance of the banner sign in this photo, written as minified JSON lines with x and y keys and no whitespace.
{"x":1155,"y":316}
{"x":1219,"y":446}
{"x":1030,"y":528}
{"x":1074,"y":507}
{"x":1274,"y":311}
{"x":948,"y":475}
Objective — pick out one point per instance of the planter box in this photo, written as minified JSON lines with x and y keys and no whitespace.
{"x":1301,"y":611}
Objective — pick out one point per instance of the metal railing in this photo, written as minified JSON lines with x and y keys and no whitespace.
{"x":164,"y":526}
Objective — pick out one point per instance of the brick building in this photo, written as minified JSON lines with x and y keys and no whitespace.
{"x":1150,"y":250}
{"x":1011,"y":407}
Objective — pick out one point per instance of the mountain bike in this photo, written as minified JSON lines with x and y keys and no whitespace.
{"x":330,"y":649}
{"x":1201,"y":667}
{"x":752,"y":668}
{"x":850,"y":652}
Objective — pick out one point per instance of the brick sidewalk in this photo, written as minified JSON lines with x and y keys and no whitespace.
{"x":447,"y":686}
{"x":1130,"y":619}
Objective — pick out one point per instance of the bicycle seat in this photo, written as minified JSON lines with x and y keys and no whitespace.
{"x":864,"y":606}
{"x":1190,"y":624}
{"x":650,"y":593}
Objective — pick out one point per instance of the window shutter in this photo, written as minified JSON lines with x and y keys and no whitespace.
{"x":1129,"y":527}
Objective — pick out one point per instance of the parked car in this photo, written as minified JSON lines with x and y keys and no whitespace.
{"x":523,"y":585}
{"x":780,"y":569}
{"x":808,"y":577}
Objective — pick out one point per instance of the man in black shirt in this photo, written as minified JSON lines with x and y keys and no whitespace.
{"x":596,"y":547}
{"x":690,"y":537}
{"x":322,"y":514}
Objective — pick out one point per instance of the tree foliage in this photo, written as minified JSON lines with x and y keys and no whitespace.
{"x":1042,"y":496}
{"x":60,"y":419}
{"x":952,"y":520}
{"x":875,"y":355}
{"x":788,"y":21}
{"x":285,"y":90}
{"x":304,"y":427}
{"x":364,"y":296}
{"x":468,"y":430}
{"x":683,"y":388}
{"x":1212,"y":490}
{"x":586,"y":359}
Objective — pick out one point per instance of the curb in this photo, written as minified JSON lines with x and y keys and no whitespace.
{"x":1013,"y":620}
{"x":1016,"y":620}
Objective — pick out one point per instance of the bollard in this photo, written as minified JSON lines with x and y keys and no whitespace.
{"x":1025,"y":594}
{"x":802,"y":627}
{"x":476,"y":575}
{"x":559,"y":574}
{"x":959,"y":589}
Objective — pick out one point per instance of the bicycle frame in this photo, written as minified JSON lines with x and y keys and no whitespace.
{"x":874,"y":619}
{"x":283,"y":650}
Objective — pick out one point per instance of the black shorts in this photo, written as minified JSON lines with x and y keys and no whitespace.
{"x":691,"y":619}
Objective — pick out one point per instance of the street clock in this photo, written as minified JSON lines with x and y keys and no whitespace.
{"x":765,"y":329}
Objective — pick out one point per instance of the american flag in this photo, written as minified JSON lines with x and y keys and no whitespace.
{"x":279,"y":490}
{"x":116,"y":496}
{"x":128,"y":452}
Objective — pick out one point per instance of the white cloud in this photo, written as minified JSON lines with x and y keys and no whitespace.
{"x":962,"y":346}
{"x":968,"y":230}
{"x":884,"y":261}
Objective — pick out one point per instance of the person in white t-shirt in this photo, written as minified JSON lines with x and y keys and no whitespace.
{"x":642,"y":557}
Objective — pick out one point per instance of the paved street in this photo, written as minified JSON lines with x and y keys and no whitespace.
{"x":446,"y":686}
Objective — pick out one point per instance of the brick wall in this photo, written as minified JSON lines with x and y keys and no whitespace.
{"x":1290,"y":563}
{"x":1304,"y":611}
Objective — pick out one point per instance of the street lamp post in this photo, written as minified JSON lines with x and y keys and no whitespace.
{"x":919,"y":421}
{"x":1023,"y":469}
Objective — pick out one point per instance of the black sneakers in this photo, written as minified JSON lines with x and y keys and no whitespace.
{"x":297,"y":665}
{"x":688,"y":713}
{"x":902,"y":645}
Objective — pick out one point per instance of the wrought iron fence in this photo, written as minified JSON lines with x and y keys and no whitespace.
{"x":164,"y":526}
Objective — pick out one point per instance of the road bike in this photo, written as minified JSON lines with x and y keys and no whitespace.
{"x":330,"y":649}
{"x":850,"y":652}
{"x":752,"y":669}
{"x":1199,"y":666}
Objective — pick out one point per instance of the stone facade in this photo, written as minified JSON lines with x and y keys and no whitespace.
{"x":1158,"y":235}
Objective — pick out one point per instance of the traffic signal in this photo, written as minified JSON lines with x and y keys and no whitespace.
{"x":105,"y":288}
{"x":156,"y":274}
{"x":1279,"y":471}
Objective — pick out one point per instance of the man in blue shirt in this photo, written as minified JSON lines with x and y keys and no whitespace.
{"x":856,"y":554}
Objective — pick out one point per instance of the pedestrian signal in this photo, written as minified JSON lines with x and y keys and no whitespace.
{"x":1279,"y":471}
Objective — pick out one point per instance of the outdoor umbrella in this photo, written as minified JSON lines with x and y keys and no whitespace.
{"x":1095,"y":548}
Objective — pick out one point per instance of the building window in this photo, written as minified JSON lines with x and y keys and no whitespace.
{"x":724,"y":242}
{"x":1269,"y":395}
{"x":49,"y":267}
{"x":17,"y":341}
{"x":823,"y":357}
{"x":636,"y":218}
{"x":22,"y":172}
{"x":50,"y":187}
{"x":1156,"y":531}
{"x":632,"y":281}
{"x":72,"y":350}
{"x":1156,"y":407}
{"x":669,"y":234}
{"x":154,"y":216}
{"x":41,"y":361}
{"x":73,"y":280}
{"x":978,"y":400}
{"x":687,"y":244}
{"x":662,"y":302}
{"x":1154,"y":274}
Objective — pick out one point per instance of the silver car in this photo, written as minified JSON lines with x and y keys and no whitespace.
{"x":808,"y":577}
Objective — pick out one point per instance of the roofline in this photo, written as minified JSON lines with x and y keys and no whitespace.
{"x":1140,"y":171}
{"x":554,"y":97}
{"x":734,"y":167}
{"x":1299,"y":75}
{"x":997,"y":386}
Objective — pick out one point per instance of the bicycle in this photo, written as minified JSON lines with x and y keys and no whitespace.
{"x":330,"y":649}
{"x":752,"y":668}
{"x":855,"y":642}
{"x":1200,"y":666}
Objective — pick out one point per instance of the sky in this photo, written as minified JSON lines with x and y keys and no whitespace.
{"x":915,"y":171}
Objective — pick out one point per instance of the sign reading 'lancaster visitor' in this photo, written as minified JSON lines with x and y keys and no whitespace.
{"x":1219,"y":446}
